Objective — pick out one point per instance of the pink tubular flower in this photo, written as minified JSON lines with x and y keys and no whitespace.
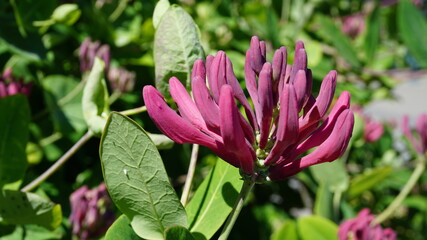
{"x":9,"y":85}
{"x":287,"y":120}
{"x":420,"y":144}
{"x":91,"y":213}
{"x":373,"y":130}
{"x":360,"y":228}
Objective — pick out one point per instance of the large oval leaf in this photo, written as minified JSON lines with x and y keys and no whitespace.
{"x":136,"y":178}
{"x":213,"y":200}
{"x":14,"y":120}
{"x":412,"y":29}
{"x":176,"y":47}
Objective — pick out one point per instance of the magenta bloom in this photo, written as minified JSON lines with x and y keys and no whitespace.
{"x":360,"y":228}
{"x":91,"y":213}
{"x":373,"y":130}
{"x":287,"y":120}
{"x":9,"y":85}
{"x":419,"y":144}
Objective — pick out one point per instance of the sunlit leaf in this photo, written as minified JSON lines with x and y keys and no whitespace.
{"x":316,"y":227}
{"x":213,"y":200}
{"x":136,"y":178}
{"x":178,"y":233}
{"x":14,"y":120}
{"x":368,"y":180}
{"x":176,"y":47}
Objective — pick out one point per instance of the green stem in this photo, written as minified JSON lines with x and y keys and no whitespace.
{"x":58,"y":163}
{"x":134,"y":111}
{"x":244,"y":192}
{"x":114,"y":97}
{"x":416,"y":174}
{"x":190,"y":175}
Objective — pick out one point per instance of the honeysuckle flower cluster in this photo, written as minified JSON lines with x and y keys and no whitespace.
{"x":372,"y":129}
{"x":89,"y":51}
{"x":420,"y":142}
{"x":361,"y":228}
{"x":121,"y":79}
{"x":91,"y":212}
{"x":287,"y":120}
{"x":9,"y":85}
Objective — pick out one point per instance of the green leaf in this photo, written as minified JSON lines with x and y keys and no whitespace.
{"x":66,"y":14}
{"x":373,"y":34}
{"x":136,"y":178}
{"x":28,"y":208}
{"x":368,"y":180}
{"x":161,"y":7}
{"x":330,"y":32}
{"x":121,"y":229}
{"x":178,"y":233}
{"x":14,"y":120}
{"x":213,"y":200}
{"x":63,"y":97}
{"x":288,"y":231}
{"x":176,"y":47}
{"x":412,"y":27}
{"x":316,"y":227}
{"x":95,"y":98}
{"x":333,"y":175}
{"x":323,"y":203}
{"x":34,"y":232}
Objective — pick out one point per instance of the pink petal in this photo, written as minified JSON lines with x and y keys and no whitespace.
{"x":324,"y":131}
{"x":287,"y":130}
{"x":408,"y":133}
{"x":335,"y":145}
{"x":279,"y":71}
{"x":207,"y":106}
{"x":300,"y":84}
{"x":323,"y":101}
{"x":232,"y":132}
{"x":257,"y":56}
{"x":422,"y":131}
{"x":198,"y":70}
{"x":265,"y":94}
{"x":251,"y":84}
{"x":170,"y":123}
{"x":187,"y":108}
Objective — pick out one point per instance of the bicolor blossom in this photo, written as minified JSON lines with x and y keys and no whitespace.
{"x":91,"y":212}
{"x":9,"y":85}
{"x":270,"y":138}
{"x":360,"y":228}
{"x":420,"y":142}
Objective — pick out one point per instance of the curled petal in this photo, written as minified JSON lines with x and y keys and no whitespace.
{"x":265,"y":94}
{"x":278,"y":70}
{"x":232,"y":132}
{"x":300,"y":60}
{"x":287,"y":129}
{"x":187,"y":108}
{"x":217,"y":76}
{"x":238,"y":92}
{"x":251,"y":83}
{"x":323,"y":132}
{"x":322,"y":103}
{"x":334,"y":146}
{"x":170,"y":123}
{"x":207,"y":106}
{"x":198,"y":70}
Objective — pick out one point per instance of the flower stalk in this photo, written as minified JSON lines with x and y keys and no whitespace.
{"x":244,"y":192}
